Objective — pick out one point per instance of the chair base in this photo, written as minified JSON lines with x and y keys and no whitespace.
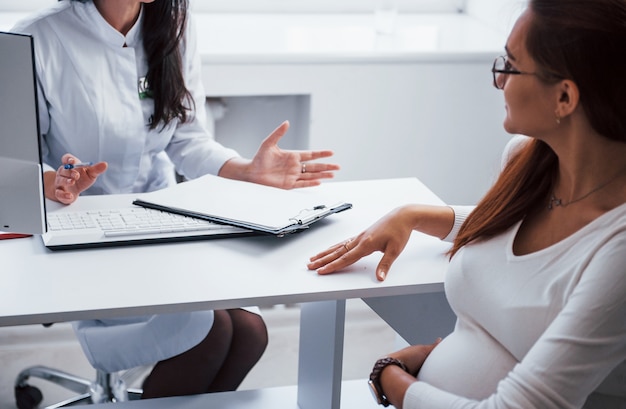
{"x":108,"y":387}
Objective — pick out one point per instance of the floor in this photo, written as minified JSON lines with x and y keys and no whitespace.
{"x":367,"y":338}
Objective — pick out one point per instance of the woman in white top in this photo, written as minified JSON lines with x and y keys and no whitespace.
{"x":537,"y":275}
{"x":119,"y":84}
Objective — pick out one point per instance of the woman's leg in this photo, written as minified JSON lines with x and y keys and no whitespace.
{"x":194,"y":370}
{"x":248,"y":343}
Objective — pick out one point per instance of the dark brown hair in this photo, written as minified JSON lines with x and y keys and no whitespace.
{"x":580,"y":40}
{"x":163,"y":30}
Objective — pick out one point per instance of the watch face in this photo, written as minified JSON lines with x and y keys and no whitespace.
{"x":375,"y":393}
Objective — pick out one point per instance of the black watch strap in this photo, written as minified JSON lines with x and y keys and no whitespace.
{"x":374,"y":381}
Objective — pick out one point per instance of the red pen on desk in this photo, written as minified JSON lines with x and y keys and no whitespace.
{"x":13,"y":235}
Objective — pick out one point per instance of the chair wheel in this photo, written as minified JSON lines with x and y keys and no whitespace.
{"x":27,"y":397}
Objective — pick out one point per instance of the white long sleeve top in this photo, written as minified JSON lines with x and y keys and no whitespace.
{"x":543,"y":330}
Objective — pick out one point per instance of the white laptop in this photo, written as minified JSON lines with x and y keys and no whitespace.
{"x":109,"y":220}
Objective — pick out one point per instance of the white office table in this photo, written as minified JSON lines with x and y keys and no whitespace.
{"x":41,"y":286}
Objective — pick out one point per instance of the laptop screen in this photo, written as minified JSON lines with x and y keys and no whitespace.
{"x":22,"y":205}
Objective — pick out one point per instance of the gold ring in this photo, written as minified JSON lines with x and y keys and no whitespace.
{"x":303,"y":167}
{"x":345,"y":246}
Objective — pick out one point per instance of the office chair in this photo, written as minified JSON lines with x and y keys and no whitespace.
{"x":107,"y":387}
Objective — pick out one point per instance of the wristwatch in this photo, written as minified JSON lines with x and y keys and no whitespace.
{"x":374,"y":381}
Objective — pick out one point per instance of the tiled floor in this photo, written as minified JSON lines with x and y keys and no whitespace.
{"x":367,"y":338}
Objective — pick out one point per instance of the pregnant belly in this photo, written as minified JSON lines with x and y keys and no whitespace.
{"x":467,"y":363}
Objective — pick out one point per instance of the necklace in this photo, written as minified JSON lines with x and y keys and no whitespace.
{"x":554,"y":201}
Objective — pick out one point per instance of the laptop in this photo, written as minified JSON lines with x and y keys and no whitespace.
{"x":128,"y":219}
{"x":22,"y":209}
{"x":113,"y":220}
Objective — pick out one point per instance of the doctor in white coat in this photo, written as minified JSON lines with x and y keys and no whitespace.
{"x":119,"y":84}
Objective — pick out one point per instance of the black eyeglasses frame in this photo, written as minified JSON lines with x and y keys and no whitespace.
{"x":506,"y":71}
{"x":510,"y":71}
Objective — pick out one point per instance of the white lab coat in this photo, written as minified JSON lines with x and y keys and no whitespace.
{"x":89,"y":106}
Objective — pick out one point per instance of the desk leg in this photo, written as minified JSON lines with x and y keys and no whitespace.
{"x":321,"y":354}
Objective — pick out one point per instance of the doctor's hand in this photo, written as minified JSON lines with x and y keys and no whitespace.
{"x":280,"y":168}
{"x":389,"y":235}
{"x":68,"y":182}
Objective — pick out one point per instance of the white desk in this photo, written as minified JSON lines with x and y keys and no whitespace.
{"x":40,"y":286}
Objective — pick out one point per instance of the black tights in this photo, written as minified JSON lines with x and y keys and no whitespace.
{"x":218,"y":363}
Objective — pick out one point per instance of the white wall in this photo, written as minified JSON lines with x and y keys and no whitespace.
{"x":498,"y":14}
{"x":438,"y":121}
{"x":397,"y":110}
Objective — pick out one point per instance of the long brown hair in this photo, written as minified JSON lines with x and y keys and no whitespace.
{"x":581,"y":40}
{"x":525,"y":181}
{"x":163,"y":30}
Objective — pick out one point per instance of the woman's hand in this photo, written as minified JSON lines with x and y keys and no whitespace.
{"x":389,"y":235}
{"x":284,"y":169}
{"x":65,"y":185}
{"x":414,"y":356}
{"x":394,"y":381}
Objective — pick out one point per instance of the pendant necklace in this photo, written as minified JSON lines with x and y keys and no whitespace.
{"x":554,"y":201}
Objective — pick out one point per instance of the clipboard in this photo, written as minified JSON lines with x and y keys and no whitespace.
{"x":259,"y":208}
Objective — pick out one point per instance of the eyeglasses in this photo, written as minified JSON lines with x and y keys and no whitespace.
{"x":502,"y":66}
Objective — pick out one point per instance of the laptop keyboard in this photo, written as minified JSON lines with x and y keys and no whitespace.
{"x":128,"y":222}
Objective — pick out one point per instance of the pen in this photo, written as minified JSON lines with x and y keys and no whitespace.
{"x":13,"y":235}
{"x":78,"y":165}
